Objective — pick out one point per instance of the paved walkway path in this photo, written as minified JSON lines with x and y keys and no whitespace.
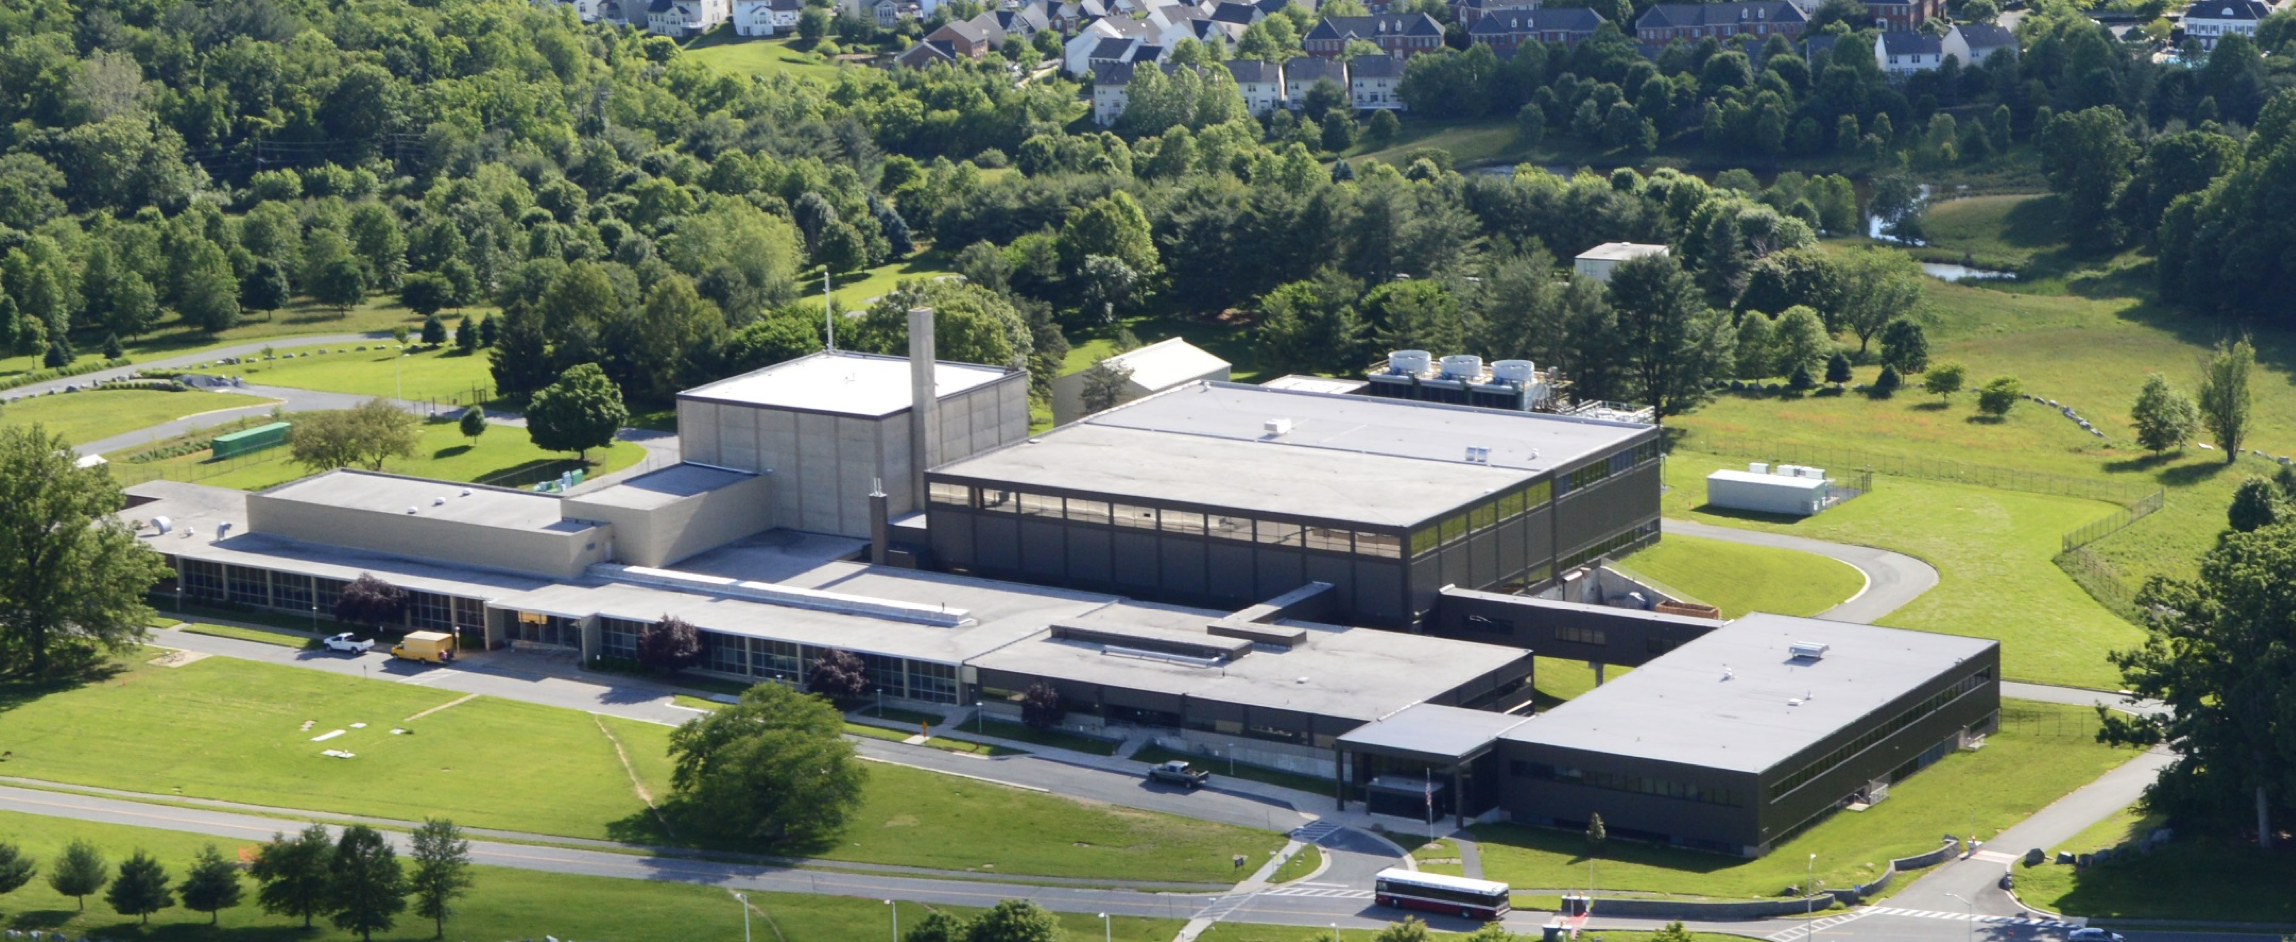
{"x":280,"y":397}
{"x":179,"y":361}
{"x":1892,"y":579}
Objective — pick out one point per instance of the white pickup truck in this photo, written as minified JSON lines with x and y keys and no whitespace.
{"x":349,"y":643}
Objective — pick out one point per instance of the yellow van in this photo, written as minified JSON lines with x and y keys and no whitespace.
{"x":436,"y":647}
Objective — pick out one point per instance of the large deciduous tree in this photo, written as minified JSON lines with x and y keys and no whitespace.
{"x":2220,"y":653}
{"x":442,"y":871}
{"x":369,"y":601}
{"x":369,"y":886}
{"x":581,"y":411}
{"x":1878,"y":287}
{"x":294,"y":876}
{"x":2164,"y":418}
{"x":2089,"y":158}
{"x":212,"y":885}
{"x":367,"y":436}
{"x":72,"y":576}
{"x":2225,"y":397}
{"x":838,"y":675}
{"x":774,"y":767}
{"x":1675,"y":344}
{"x":669,"y":645}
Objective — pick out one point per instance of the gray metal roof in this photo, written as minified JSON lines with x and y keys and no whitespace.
{"x":1432,"y":732}
{"x":841,"y":382}
{"x":1367,"y":460}
{"x":662,"y":488}
{"x":1736,"y":699}
{"x":442,"y":500}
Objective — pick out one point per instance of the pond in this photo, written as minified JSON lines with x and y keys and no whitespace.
{"x":1952,"y":272}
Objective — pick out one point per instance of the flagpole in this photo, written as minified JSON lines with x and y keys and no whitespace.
{"x":1429,"y":774}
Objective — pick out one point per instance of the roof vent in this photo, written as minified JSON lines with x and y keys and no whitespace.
{"x":1478,"y":455}
{"x":1301,"y":680}
{"x":1811,"y":650}
{"x":466,"y":492}
{"x":413,"y":509}
{"x":438,"y":502}
{"x":1277,"y":427}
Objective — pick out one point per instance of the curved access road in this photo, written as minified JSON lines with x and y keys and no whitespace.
{"x":179,"y":361}
{"x":1892,"y":579}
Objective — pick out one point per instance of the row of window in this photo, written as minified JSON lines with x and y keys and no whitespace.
{"x":1624,"y":782}
{"x":1614,"y":544}
{"x":1167,"y":520}
{"x":295,"y":592}
{"x":1905,"y":718}
{"x":788,"y":662}
{"x":1581,"y":635}
{"x":1501,"y":509}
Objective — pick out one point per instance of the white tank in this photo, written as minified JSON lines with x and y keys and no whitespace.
{"x":1519,"y":372}
{"x":1408,"y":362}
{"x":1463,"y":366}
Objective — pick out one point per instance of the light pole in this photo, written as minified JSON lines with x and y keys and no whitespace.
{"x":1335,"y":932}
{"x":980,"y":718}
{"x":744,"y":898}
{"x":1972,"y":913}
{"x":1107,"y":929}
{"x":1810,"y":898}
{"x":896,"y":920}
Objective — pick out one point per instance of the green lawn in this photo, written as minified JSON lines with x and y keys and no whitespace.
{"x":1153,"y":755}
{"x":1055,"y":738}
{"x":854,"y":291}
{"x":2207,"y":877}
{"x":258,"y":635}
{"x":172,"y":338}
{"x":2042,"y":752}
{"x":504,"y":455}
{"x":1300,"y":865}
{"x":196,"y":731}
{"x":1558,"y":680}
{"x":444,"y":375}
{"x":1230,"y":342}
{"x":1992,"y":549}
{"x":1738,"y":578}
{"x":937,"y":742}
{"x":98,"y":414}
{"x":503,"y":904}
{"x":776,"y":56}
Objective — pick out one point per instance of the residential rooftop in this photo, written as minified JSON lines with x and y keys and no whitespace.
{"x":1738,"y":699}
{"x":438,"y":500}
{"x":841,"y":382}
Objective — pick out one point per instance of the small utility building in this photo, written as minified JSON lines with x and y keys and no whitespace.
{"x":1151,"y":369}
{"x":1787,"y":490}
{"x":1597,"y":262}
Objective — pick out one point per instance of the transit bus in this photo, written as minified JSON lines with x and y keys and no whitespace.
{"x":1483,"y":900}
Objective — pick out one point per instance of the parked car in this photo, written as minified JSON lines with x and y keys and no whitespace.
{"x":349,"y":643}
{"x":2093,"y":935}
{"x":1179,"y":772}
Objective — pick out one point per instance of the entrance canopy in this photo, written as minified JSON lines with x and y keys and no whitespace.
{"x":1439,"y":735}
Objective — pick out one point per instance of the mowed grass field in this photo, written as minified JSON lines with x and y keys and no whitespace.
{"x":2208,"y":876}
{"x":234,"y":730}
{"x":92,"y":415}
{"x":504,"y":903}
{"x":445,"y":375}
{"x":1738,"y":578}
{"x":727,"y":52}
{"x":2042,"y":752}
{"x":442,"y":453}
{"x":1992,"y":549}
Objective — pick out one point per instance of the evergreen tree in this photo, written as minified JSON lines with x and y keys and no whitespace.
{"x":141,"y":888}
{"x":1904,"y":345}
{"x":212,"y":886}
{"x":80,"y":870}
{"x":434,"y":330}
{"x":2256,"y":503}
{"x":1888,"y":382}
{"x":466,"y":335}
{"x":59,"y":354}
{"x":294,"y":876}
{"x":1838,"y":369}
{"x":473,"y":423}
{"x":520,"y":359}
{"x":16,"y":869}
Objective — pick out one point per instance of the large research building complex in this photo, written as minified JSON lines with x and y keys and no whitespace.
{"x":1351,"y":587}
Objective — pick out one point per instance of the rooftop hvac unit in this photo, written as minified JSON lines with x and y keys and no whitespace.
{"x":1477,"y":455}
{"x":1409,"y":362}
{"x":1808,"y":649}
{"x":1277,"y":427}
{"x":1464,"y":366}
{"x":162,"y":524}
{"x":1758,"y":467}
{"x":1519,"y":372}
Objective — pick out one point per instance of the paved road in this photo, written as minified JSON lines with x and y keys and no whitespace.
{"x":192,"y":359}
{"x":220,"y":410}
{"x":1892,"y":579}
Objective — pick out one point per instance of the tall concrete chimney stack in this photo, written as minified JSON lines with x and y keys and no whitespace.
{"x":924,"y":406}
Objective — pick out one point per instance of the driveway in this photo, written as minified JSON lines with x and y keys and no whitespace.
{"x":1892,"y":579}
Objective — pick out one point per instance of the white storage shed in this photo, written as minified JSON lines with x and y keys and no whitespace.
{"x":1790,"y":490}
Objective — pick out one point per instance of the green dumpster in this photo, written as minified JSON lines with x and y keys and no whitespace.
{"x":249,"y":440}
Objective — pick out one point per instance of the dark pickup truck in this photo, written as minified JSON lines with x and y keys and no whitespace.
{"x":1178,"y":772}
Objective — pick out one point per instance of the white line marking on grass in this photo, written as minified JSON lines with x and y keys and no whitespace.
{"x":465,"y":699}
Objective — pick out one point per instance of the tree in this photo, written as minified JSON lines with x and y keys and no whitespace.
{"x":113,"y":350}
{"x":1113,"y":226}
{"x":293,"y":874}
{"x":72,"y":575}
{"x":212,"y":885}
{"x":1945,"y":380}
{"x":1879,"y":286}
{"x":369,"y":601}
{"x":839,"y":675}
{"x":1015,"y":920}
{"x":771,"y":339}
{"x":1801,"y":339}
{"x":1103,"y":385}
{"x":209,"y":296}
{"x":265,"y":287}
{"x":937,"y":926}
{"x":581,"y":411}
{"x":79,"y":871}
{"x":369,"y":435}
{"x":340,"y":283}
{"x":813,"y":24}
{"x":1411,"y":929}
{"x":434,"y":330}
{"x":134,"y":307}
{"x":369,"y":887}
{"x":442,"y":871}
{"x":473,"y":423}
{"x":1596,"y":833}
{"x":775,"y":767}
{"x":466,"y":334}
{"x":1905,"y":345}
{"x":2225,"y":398}
{"x":59,"y":355}
{"x":2218,"y":652}
{"x":1838,"y":369}
{"x":669,"y":645}
{"x":1800,"y":380}
{"x":426,"y":293}
{"x":1041,"y":706}
{"x":1999,"y":396}
{"x":141,"y":889}
{"x":488,"y":331}
{"x":1676,"y":345}
{"x":2256,"y":503}
{"x":16,"y":869}
{"x":520,"y":356}
{"x":2164,"y":418}
{"x":1676,"y":931}
{"x":1888,"y":383}
{"x":2089,"y":158}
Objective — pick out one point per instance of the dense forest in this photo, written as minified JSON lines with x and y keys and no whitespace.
{"x":167,"y":161}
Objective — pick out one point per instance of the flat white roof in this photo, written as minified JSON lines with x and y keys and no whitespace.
{"x":657,"y":489}
{"x":376,"y":492}
{"x":1166,"y":362}
{"x":1768,"y":480}
{"x":1621,"y":251}
{"x":842,"y":383}
{"x":1300,"y":382}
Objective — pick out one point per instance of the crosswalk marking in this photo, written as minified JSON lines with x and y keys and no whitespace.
{"x":1315,"y":832}
{"x":1965,"y":917}
{"x":1219,"y":908}
{"x":1995,"y":856}
{"x":1815,"y":926}
{"x":1321,"y":892}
